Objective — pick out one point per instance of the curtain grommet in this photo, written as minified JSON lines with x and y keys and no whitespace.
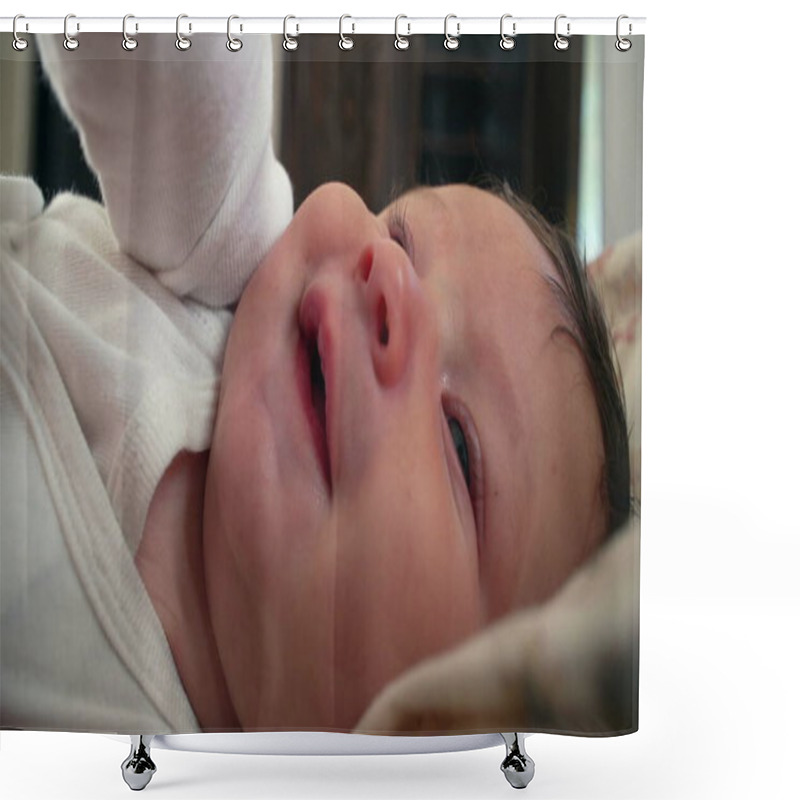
{"x":345,"y":42}
{"x":507,"y":42}
{"x":129,"y":43}
{"x":233,"y":44}
{"x":182,"y":42}
{"x":451,"y":42}
{"x":18,"y":43}
{"x":622,"y":44}
{"x":70,"y":42}
{"x":561,"y":43}
{"x":290,"y":42}
{"x":401,"y":42}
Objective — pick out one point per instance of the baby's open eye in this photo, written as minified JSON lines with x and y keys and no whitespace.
{"x":467,"y":448}
{"x":462,"y":448}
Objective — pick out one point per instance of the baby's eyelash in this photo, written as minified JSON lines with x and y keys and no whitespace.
{"x":399,"y":230}
{"x":473,"y":475}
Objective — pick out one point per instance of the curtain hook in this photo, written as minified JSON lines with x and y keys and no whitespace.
{"x":182,"y":43}
{"x":70,"y":42}
{"x":451,"y":42}
{"x":507,"y":42}
{"x":623,"y":45}
{"x":19,"y":44}
{"x":561,"y":42}
{"x":289,"y":42}
{"x":233,"y":44}
{"x":345,"y":42}
{"x":128,"y":41}
{"x":401,"y":42}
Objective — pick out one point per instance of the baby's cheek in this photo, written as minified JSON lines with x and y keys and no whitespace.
{"x":406,"y":585}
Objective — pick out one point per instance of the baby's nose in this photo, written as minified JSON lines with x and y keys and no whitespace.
{"x":388,"y":282}
{"x":334,"y":221}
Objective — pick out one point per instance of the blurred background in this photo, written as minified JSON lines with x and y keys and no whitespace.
{"x":564,"y":128}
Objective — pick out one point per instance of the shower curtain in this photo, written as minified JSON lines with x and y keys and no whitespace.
{"x":320,"y":389}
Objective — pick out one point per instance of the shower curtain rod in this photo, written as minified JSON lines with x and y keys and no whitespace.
{"x":349,"y":25}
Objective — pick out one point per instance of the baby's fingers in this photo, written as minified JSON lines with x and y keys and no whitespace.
{"x":460,"y":692}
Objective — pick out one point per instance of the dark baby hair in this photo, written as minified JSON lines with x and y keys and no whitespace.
{"x":590,"y":331}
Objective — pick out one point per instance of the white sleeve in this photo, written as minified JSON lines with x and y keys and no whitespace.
{"x":182,"y":145}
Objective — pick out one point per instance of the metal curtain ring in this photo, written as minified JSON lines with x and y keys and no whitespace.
{"x":181,"y":42}
{"x":345,"y":42}
{"x":233,"y":44}
{"x":507,"y":42}
{"x":19,"y":44}
{"x":70,"y":42}
{"x":128,"y":42}
{"x":451,"y":42}
{"x":289,"y":42}
{"x":401,"y":42}
{"x":561,"y":42}
{"x":623,"y":45}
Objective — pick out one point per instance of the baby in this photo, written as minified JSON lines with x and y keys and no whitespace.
{"x":407,"y":447}
{"x":418,"y":430}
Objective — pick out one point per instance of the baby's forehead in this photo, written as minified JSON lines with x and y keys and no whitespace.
{"x":489,"y":247}
{"x":481,"y":219}
{"x":450,"y":197}
{"x":492,"y":252}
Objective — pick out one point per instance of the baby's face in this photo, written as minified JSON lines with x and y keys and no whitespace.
{"x":406,"y":447}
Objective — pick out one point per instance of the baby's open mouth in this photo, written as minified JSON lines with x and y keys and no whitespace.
{"x":317,"y":384}
{"x":313,"y":348}
{"x":319,"y":422}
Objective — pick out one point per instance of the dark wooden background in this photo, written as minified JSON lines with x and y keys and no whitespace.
{"x":382,"y":121}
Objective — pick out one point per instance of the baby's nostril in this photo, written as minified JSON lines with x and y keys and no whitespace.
{"x":383,"y":328}
{"x":365,"y":265}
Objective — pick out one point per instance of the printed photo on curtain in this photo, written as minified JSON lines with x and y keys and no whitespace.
{"x":320,"y":386}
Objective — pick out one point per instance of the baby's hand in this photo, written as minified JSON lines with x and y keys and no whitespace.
{"x":474,"y":687}
{"x":569,"y":665}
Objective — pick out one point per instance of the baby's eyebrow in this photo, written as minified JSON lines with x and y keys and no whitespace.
{"x":420,"y":196}
{"x":421,"y":192}
{"x":429,"y":194}
{"x":398,"y":193}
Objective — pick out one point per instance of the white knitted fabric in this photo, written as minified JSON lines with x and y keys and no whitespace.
{"x":113,"y":322}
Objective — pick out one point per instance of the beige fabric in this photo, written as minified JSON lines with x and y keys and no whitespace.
{"x":113,"y":326}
